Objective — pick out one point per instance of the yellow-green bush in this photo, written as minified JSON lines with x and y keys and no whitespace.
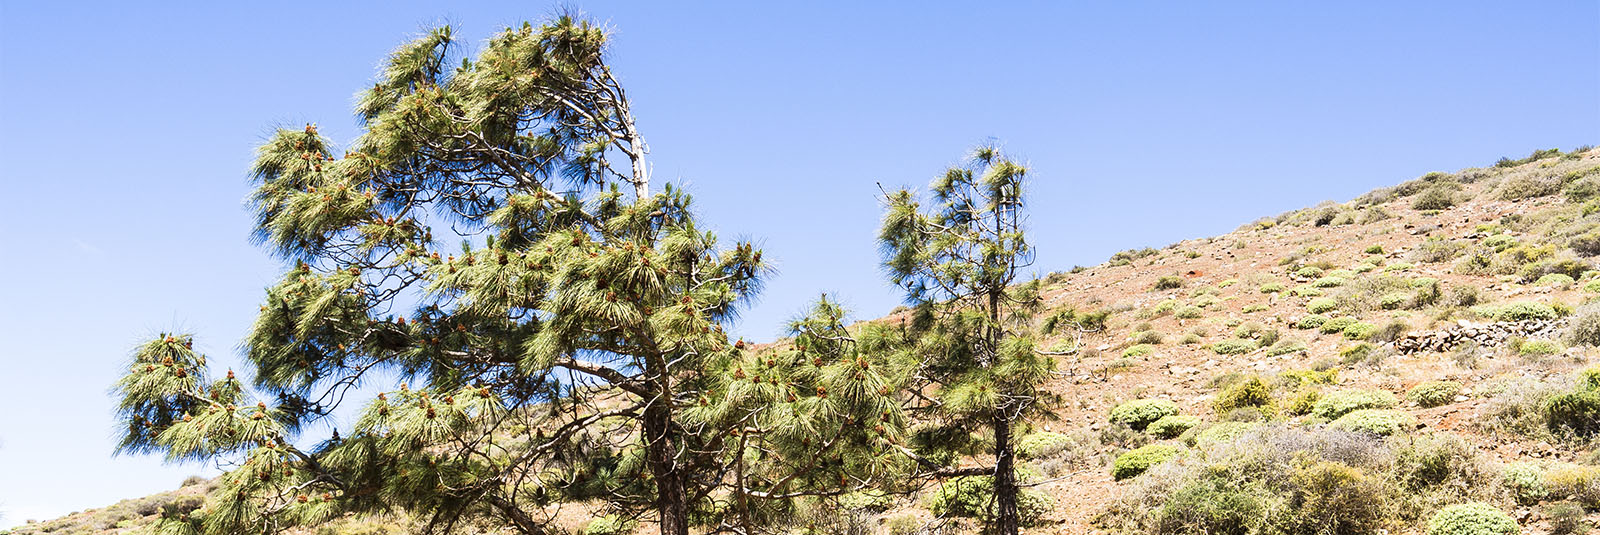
{"x":1233,"y":347}
{"x":1526,"y":482}
{"x":1383,"y":422}
{"x":1472,"y":519}
{"x":1340,"y":403}
{"x":1311,"y":321}
{"x":1252,"y":392}
{"x":1140,"y":413}
{"x":1321,"y":305}
{"x":1335,"y":325}
{"x":1135,"y":462}
{"x":1516,"y":311}
{"x":1172,"y":426}
{"x":1434,"y":393}
{"x":609,"y":525}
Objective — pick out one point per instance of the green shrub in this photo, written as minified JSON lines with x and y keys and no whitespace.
{"x":1326,"y":376}
{"x":1286,"y":347}
{"x":1218,"y":433}
{"x":1383,"y":422}
{"x":1328,"y":282}
{"x":1271,"y":288}
{"x":1526,"y":482}
{"x":1188,"y":312}
{"x":1394,"y":300}
{"x":1335,"y":325}
{"x":1557,"y":280}
{"x":1236,"y":346}
{"x":1337,"y":404}
{"x":609,"y":525}
{"x":1398,"y":266}
{"x":1539,"y":348}
{"x":1136,"y":461}
{"x":1321,"y":305}
{"x":1308,"y":272}
{"x":1578,"y":411}
{"x":1471,"y":519}
{"x":1576,"y":482}
{"x":1042,"y":444}
{"x":1139,"y":413}
{"x":1434,"y":198}
{"x":1306,"y":290}
{"x":1355,"y":353}
{"x":1169,"y":282}
{"x":1252,"y":392}
{"x":1311,"y":321}
{"x":1258,"y":307}
{"x":1374,"y":249}
{"x":1172,"y":426}
{"x":1301,"y":402}
{"x":1139,"y":350}
{"x":1359,"y":331}
{"x":1517,"y":311}
{"x":1434,"y":393}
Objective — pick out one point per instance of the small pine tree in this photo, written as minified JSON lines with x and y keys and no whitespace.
{"x":958,"y":260}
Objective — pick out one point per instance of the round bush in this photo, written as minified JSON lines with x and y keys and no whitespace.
{"x":1434,"y":393}
{"x":1336,"y":324}
{"x":609,"y":525}
{"x":1221,"y":432}
{"x":1252,"y":392}
{"x":1236,"y":346}
{"x":1139,"y":350}
{"x":1394,"y":300}
{"x":1140,"y":413}
{"x":1306,"y":290}
{"x":1309,"y":272}
{"x":1471,"y":519}
{"x":1188,"y":312}
{"x":1382,"y":422}
{"x":1337,"y":404}
{"x":1578,"y":410}
{"x":1271,"y":288}
{"x":1559,"y":280}
{"x":1311,"y":321}
{"x":1526,"y":482}
{"x":1518,"y":311}
{"x":1328,"y":282}
{"x":1321,"y":305}
{"x":1043,"y":444}
{"x":1539,"y":348}
{"x":1136,"y":461}
{"x":1359,"y":331}
{"x":1172,"y":426}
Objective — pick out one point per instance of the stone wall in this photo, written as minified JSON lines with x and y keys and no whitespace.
{"x":1485,"y":335}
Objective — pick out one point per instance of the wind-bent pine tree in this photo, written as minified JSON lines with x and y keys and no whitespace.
{"x":958,"y":260}
{"x":571,"y":349}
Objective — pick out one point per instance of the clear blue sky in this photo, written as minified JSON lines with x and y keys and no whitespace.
{"x":125,"y":132}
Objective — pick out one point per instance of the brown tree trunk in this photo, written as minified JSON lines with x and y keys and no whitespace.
{"x":1005,"y":479}
{"x":661,"y":456}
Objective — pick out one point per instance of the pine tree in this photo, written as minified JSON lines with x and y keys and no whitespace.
{"x":958,"y":261}
{"x":571,"y":349}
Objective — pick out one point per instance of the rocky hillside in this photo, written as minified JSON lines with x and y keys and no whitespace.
{"x":1348,"y":367}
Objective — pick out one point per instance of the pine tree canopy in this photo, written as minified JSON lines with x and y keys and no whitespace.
{"x":571,"y":349}
{"x":972,"y":340}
